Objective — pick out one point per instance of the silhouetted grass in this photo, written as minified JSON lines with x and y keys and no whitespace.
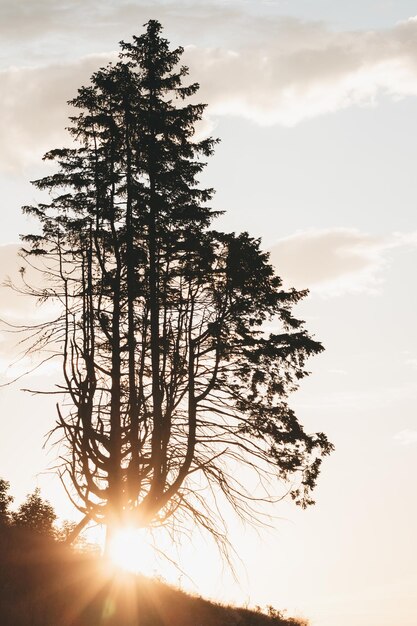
{"x":43,"y":583}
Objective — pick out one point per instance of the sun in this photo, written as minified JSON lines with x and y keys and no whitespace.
{"x":131,"y":551}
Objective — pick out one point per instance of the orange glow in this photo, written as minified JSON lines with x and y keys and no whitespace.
{"x":131,"y":551}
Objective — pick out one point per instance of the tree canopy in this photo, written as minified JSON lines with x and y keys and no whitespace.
{"x":172,"y":379}
{"x":35,"y":514}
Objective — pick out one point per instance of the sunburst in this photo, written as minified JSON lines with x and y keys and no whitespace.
{"x":131,"y":551}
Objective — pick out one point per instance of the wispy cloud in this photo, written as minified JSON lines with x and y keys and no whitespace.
{"x":336,"y":261}
{"x":95,"y":23}
{"x":289,"y":70}
{"x":406,"y":437}
{"x":34,"y":111}
{"x":271,"y":71}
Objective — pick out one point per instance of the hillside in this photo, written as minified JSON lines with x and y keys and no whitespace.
{"x":43,"y":583}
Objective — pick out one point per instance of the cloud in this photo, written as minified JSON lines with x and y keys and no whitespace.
{"x":34,"y":111}
{"x":406,"y":437}
{"x":23,"y":21}
{"x":336,"y":261}
{"x":25,"y":25}
{"x":289,"y":70}
{"x":271,"y":70}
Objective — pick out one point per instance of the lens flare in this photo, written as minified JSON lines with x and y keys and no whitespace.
{"x":131,"y":551}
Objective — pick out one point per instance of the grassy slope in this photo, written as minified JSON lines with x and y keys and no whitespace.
{"x":44,"y":584}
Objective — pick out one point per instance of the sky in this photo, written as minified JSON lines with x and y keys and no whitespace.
{"x":315,"y":105}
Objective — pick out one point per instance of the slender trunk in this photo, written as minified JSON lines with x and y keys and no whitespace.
{"x":155,"y":348}
{"x":157,"y":434}
{"x":133,"y":486}
{"x":115,"y":478}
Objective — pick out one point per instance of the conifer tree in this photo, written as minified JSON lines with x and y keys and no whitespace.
{"x":170,"y":376}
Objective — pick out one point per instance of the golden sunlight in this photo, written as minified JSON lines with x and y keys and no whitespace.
{"x":131,"y":551}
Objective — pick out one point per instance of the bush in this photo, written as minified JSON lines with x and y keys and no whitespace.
{"x":35,"y":514}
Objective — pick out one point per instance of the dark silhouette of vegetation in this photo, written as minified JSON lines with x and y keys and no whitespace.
{"x":44,"y":583}
{"x":35,"y":514}
{"x":171,"y":379}
{"x":5,"y":501}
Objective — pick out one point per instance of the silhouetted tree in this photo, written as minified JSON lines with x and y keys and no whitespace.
{"x":5,"y":502}
{"x":171,"y":378}
{"x":35,"y":514}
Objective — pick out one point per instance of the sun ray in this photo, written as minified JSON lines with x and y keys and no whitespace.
{"x":130,"y":550}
